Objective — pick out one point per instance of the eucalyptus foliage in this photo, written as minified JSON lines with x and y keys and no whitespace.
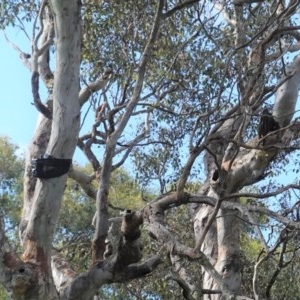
{"x":170,"y":95}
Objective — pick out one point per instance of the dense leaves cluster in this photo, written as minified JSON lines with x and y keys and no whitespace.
{"x":11,"y":173}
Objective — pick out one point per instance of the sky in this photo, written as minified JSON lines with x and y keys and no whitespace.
{"x":18,"y":116}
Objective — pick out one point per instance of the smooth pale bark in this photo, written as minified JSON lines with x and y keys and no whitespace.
{"x":43,"y":198}
{"x":36,"y":149}
{"x":287,"y":94}
{"x":240,"y":167}
{"x":41,"y":211}
{"x":221,"y":243}
{"x":230,"y":166}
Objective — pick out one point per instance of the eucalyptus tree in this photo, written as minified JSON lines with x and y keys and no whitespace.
{"x":176,"y":90}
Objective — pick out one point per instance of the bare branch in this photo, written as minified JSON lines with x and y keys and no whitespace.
{"x":219,"y":6}
{"x":122,"y":266}
{"x":134,"y":142}
{"x":102,"y":195}
{"x":265,"y":195}
{"x":84,"y":181}
{"x":240,"y":2}
{"x":36,"y":96}
{"x":141,"y":71}
{"x":258,"y":231}
{"x":189,"y":290}
{"x":178,"y":7}
{"x":36,"y":53}
{"x":99,"y":84}
{"x":23,"y":56}
{"x":63,"y":274}
{"x":278,"y":269}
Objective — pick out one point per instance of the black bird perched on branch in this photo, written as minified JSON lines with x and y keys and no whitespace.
{"x":267,"y":124}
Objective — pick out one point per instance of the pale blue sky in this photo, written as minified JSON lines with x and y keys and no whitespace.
{"x":17,"y":115}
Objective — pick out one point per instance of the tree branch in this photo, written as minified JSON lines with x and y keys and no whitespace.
{"x":92,"y":87}
{"x":120,"y":267}
{"x":102,"y":195}
{"x":178,"y":7}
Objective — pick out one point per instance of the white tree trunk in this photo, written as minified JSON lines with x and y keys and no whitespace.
{"x":41,"y":208}
{"x":287,"y":94}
